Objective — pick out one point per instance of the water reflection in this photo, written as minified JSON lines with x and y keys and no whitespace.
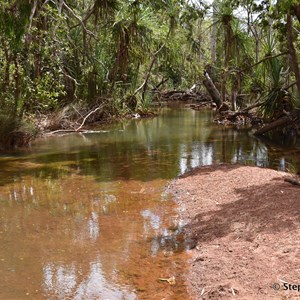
{"x":93,"y":226}
{"x":85,"y":216}
{"x":62,"y":282}
{"x":154,"y":220}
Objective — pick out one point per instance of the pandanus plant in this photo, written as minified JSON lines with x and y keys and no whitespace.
{"x":277,"y":97}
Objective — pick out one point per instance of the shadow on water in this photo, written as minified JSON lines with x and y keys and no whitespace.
{"x":85,"y":215}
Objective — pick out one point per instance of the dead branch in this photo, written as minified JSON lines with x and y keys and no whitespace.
{"x":77,"y":129}
{"x":33,"y":10}
{"x":164,"y":80}
{"x":144,"y":84}
{"x":79,"y":19}
{"x":154,"y":56}
{"x":279,"y":123}
{"x":90,"y":113}
{"x":63,"y":131}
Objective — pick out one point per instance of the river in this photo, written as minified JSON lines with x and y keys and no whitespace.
{"x":86,"y":216}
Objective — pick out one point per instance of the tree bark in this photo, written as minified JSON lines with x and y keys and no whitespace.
{"x":213,"y":46}
{"x":17,"y":86}
{"x":233,"y":99}
{"x":212,"y":90}
{"x":6,"y":77}
{"x":297,"y":11}
{"x":293,"y":54}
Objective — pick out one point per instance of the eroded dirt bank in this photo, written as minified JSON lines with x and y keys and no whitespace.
{"x":245,"y":222}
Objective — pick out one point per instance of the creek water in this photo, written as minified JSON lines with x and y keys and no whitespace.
{"x":86,"y":216}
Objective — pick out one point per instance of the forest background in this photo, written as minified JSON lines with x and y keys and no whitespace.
{"x":60,"y":60}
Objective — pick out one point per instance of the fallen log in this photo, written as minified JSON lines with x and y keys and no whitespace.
{"x":292,"y":181}
{"x":279,"y":123}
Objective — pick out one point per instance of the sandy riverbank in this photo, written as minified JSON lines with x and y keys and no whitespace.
{"x":245,"y":222}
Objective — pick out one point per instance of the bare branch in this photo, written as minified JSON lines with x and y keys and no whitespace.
{"x":90,"y":113}
{"x":79,"y":19}
{"x":145,"y":82}
{"x":289,"y":86}
{"x":32,"y":14}
{"x":266,"y":58}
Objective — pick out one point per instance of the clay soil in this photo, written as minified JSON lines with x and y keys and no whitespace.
{"x":245,"y":226}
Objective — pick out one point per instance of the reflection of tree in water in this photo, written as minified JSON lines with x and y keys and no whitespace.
{"x":236,"y":146}
{"x":162,"y":147}
{"x":164,"y":239}
{"x":66,"y":282}
{"x":281,"y":157}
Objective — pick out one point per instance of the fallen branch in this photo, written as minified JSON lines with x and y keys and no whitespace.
{"x":90,"y":113}
{"x":63,"y":131}
{"x":281,"y":122}
{"x":79,"y":128}
{"x":184,"y":96}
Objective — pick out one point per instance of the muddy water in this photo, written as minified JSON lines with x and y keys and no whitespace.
{"x":85,"y":216}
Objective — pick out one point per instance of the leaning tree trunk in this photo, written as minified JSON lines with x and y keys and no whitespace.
{"x":212,"y":90}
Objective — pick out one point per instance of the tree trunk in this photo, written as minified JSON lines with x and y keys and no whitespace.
{"x":17,"y":86}
{"x":233,"y":99}
{"x":213,"y":46}
{"x":212,"y":90}
{"x":6,"y":77}
{"x":228,"y":53}
{"x":119,"y":70}
{"x":293,"y":54}
{"x":297,"y":11}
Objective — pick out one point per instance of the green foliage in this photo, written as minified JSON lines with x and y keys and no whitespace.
{"x":144,"y":105}
{"x":44,"y":93}
{"x":84,"y":51}
{"x":15,"y":133}
{"x":14,"y":17}
{"x":273,"y":102}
